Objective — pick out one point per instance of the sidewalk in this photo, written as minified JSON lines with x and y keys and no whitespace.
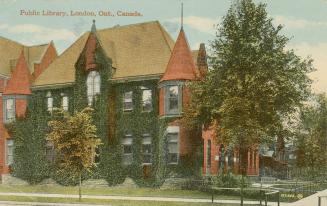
{"x":118,"y":197}
{"x":312,"y":200}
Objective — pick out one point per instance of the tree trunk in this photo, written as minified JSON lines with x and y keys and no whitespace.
{"x":80,"y":187}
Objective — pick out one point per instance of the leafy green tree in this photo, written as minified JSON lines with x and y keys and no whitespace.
{"x":74,"y":138}
{"x":254,"y":83}
{"x":311,"y":137}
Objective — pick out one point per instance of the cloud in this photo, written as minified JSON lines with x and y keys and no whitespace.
{"x":202,"y":24}
{"x":318,"y":53}
{"x":294,"y":23}
{"x":7,"y":1}
{"x":41,"y":33}
{"x":3,"y":26}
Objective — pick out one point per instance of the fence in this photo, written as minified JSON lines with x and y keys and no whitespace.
{"x":264,"y":194}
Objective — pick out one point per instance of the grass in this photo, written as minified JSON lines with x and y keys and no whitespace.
{"x":110,"y":202}
{"x":148,"y":192}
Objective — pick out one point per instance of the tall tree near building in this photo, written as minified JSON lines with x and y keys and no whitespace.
{"x":254,"y":83}
{"x":311,"y":137}
{"x":74,"y":139}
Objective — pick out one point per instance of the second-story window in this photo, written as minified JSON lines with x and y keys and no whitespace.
{"x":172,"y":100}
{"x":93,"y":86}
{"x":10,"y":110}
{"x":49,"y":102}
{"x":128,"y":101}
{"x":65,"y":103}
{"x":146,"y":100}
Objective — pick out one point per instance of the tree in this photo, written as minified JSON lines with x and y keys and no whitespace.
{"x":254,"y":83}
{"x":311,"y":136}
{"x":74,"y":139}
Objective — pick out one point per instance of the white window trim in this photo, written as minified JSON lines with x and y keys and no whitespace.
{"x":6,"y":111}
{"x":65,"y":107}
{"x":151,"y":153}
{"x":128,"y":136}
{"x":131,"y":100}
{"x":6,"y":151}
{"x":174,"y":130}
{"x":151,"y":101}
{"x":92,"y":84}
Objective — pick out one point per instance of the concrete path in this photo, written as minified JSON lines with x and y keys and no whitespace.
{"x":118,"y":197}
{"x":312,"y":200}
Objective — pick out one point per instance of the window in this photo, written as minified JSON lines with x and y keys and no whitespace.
{"x":146,"y":149}
{"x":173,"y":151}
{"x":209,"y":153}
{"x":127,"y":149}
{"x":146,"y":100}
{"x":50,"y":152}
{"x":172,"y":100}
{"x":65,"y":103}
{"x":10,"y":110}
{"x":49,"y":102}
{"x":93,"y":86}
{"x":9,"y":151}
{"x":128,"y":101}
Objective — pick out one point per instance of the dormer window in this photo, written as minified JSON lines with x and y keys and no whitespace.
{"x":93,"y":86}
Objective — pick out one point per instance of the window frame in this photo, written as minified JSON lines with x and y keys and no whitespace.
{"x":13,"y":110}
{"x":127,"y":157}
{"x":128,"y":100}
{"x":168,"y":97}
{"x":63,"y":102}
{"x":93,"y":86}
{"x":9,"y":161}
{"x":173,"y":130}
{"x":144,"y":142}
{"x":150,"y":101}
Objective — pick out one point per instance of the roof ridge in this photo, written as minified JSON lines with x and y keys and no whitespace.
{"x":127,"y":25}
{"x":163,"y":34}
{"x":16,"y":42}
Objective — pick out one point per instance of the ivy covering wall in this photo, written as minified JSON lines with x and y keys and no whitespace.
{"x":112,"y":123}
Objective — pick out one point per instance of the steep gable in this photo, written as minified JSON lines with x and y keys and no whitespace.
{"x":181,"y":64}
{"x":135,"y":50}
{"x":19,"y":83}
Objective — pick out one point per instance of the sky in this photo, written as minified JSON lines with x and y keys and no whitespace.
{"x":304,"y":21}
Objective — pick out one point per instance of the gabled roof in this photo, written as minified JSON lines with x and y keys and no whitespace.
{"x":136,"y":50}
{"x":19,"y":83}
{"x":181,"y":64}
{"x":9,"y":55}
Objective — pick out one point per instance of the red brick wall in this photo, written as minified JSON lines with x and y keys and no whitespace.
{"x":209,"y":134}
{"x":49,"y":56}
{"x":21,"y":105}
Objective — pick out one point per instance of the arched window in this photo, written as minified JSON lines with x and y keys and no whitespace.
{"x":93,"y":86}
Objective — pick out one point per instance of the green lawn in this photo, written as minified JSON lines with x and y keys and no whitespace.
{"x":110,"y":202}
{"x":149,"y":192}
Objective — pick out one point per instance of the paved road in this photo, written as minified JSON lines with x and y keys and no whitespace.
{"x":115,"y":197}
